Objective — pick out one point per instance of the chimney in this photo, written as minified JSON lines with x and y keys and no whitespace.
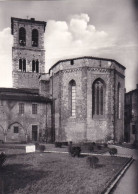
{"x":32,"y":19}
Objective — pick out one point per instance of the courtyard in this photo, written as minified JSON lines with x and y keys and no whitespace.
{"x":56,"y":173}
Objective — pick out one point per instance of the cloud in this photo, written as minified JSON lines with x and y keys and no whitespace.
{"x":74,"y":38}
{"x":6,"y":58}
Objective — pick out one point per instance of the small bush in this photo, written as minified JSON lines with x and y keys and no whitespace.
{"x":42,"y":148}
{"x":92,"y":161}
{"x":99,"y":147}
{"x":113,"y":151}
{"x":74,"y":150}
{"x":2,"y":159}
{"x":65,"y":143}
{"x":91,"y":148}
{"x":93,"y":143}
{"x":105,"y":145}
{"x":58,"y":144}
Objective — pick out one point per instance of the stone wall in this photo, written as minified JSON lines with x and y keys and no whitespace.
{"x":131,"y":116}
{"x":27,"y":79}
{"x":84,"y":126}
{"x":10,"y":117}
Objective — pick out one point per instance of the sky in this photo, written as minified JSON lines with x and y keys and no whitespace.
{"x":100,"y":28}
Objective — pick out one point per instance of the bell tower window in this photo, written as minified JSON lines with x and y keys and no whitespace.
{"x":35,"y":38}
{"x":22,"y":65}
{"x":22,"y":36}
{"x":35,"y":66}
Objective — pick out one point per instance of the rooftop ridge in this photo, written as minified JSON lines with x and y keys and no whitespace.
{"x":86,"y":57}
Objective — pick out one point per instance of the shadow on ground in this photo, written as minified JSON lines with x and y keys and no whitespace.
{"x":16,"y":176}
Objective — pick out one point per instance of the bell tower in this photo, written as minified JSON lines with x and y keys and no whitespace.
{"x":28,"y":53}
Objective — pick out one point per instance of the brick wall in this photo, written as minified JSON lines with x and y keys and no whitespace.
{"x":84,"y":126}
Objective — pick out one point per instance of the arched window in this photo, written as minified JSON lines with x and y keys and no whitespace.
{"x":22,"y":36}
{"x":24,"y":65}
{"x":34,"y":37}
{"x":98,"y":93}
{"x":72,"y":91}
{"x":20,"y":64}
{"x":119,"y":101}
{"x":35,"y":66}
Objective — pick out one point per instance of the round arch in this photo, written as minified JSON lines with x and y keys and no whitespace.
{"x":16,"y":132}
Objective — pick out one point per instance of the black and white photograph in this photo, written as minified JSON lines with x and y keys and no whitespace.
{"x":69,"y":97}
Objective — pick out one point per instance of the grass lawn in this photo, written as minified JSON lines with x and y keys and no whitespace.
{"x":49,"y":173}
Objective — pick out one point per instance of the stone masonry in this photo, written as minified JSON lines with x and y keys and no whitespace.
{"x":84,"y":127}
{"x":27,"y":79}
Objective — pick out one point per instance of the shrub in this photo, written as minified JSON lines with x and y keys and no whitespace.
{"x":58,"y":144}
{"x":93,"y":143}
{"x":92,"y":161}
{"x":42,"y":148}
{"x":2,"y":159}
{"x":74,"y":150}
{"x":99,"y":147}
{"x":105,"y":145}
{"x":112,"y":151}
{"x":91,"y":148}
{"x":65,"y":143}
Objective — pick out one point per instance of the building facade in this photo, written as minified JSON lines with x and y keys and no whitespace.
{"x":28,"y":53}
{"x":24,"y":115}
{"x":131,"y":116}
{"x":88,"y":95}
{"x":80,"y":99}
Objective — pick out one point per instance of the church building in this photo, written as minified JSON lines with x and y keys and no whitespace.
{"x":80,"y":99}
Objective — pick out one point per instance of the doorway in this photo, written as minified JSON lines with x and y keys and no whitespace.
{"x":34,"y":132}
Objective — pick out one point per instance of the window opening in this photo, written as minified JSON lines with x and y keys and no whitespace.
{"x":16,"y":130}
{"x":21,"y":108}
{"x":22,"y":36}
{"x":73,"y":97}
{"x":34,"y":108}
{"x":34,"y":37}
{"x":98,"y":97}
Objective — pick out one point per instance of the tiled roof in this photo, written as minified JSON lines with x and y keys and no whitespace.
{"x":19,"y":90}
{"x":29,"y":95}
